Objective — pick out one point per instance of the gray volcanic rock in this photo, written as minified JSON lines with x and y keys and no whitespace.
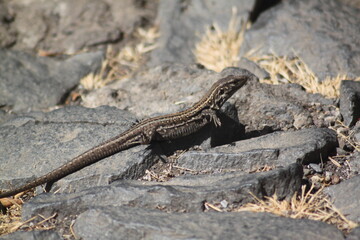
{"x":66,"y":26}
{"x":282,"y":107}
{"x":354,"y":164}
{"x":31,"y":82}
{"x":129,"y":223}
{"x":355,"y":233}
{"x":247,"y":161}
{"x":274,"y":149}
{"x":323,"y":33}
{"x":36,"y":143}
{"x":346,"y":197}
{"x":350,"y":102}
{"x":181,"y":194}
{"x":182,"y":22}
{"x":33,"y":235}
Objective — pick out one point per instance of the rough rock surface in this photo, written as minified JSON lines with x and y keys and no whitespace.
{"x":37,"y":143}
{"x":354,"y":235}
{"x":183,"y":194}
{"x":287,"y":106}
{"x":348,"y":205}
{"x":120,"y":222}
{"x":67,"y":26}
{"x":181,"y":24}
{"x":326,"y":38}
{"x":354,"y":162}
{"x":34,"y":235}
{"x":274,"y":149}
{"x":350,"y":102}
{"x":30,"y":82}
{"x":356,"y":130}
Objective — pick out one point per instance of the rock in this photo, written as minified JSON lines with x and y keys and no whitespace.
{"x":354,"y":164}
{"x":275,"y":149}
{"x":33,"y":235}
{"x":346,"y":197}
{"x":36,"y":143}
{"x":120,"y":222}
{"x":254,"y":68}
{"x":247,"y":161}
{"x":7,"y":36}
{"x":284,"y":107}
{"x":354,"y":234}
{"x":301,"y":120}
{"x":182,"y":194}
{"x":324,"y":36}
{"x":316,"y":167}
{"x":181,"y":24}
{"x":356,"y":130}
{"x":352,"y":3}
{"x":65,"y":26}
{"x":30,"y":82}
{"x":350,"y":102}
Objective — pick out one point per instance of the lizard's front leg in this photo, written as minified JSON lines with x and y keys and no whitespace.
{"x":212,"y":115}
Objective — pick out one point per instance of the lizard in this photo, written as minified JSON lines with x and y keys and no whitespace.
{"x":161,"y":128}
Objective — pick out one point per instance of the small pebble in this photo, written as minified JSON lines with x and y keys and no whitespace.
{"x":335,"y":179}
{"x":224,"y":203}
{"x":315,"y":179}
{"x":330,"y":120}
{"x":300,"y":120}
{"x":328,"y":176}
{"x":316,"y":167}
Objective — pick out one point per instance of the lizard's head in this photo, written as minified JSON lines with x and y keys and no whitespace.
{"x":223,"y":89}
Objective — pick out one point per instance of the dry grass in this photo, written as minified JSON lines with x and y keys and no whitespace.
{"x":294,"y":70}
{"x":10,"y":221}
{"x":98,"y":80}
{"x":220,"y":49}
{"x":121,"y":64}
{"x":308,"y":204}
{"x":345,"y":134}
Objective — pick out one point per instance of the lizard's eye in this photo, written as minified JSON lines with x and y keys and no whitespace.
{"x":222,"y":91}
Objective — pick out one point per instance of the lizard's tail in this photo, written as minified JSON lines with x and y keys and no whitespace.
{"x":89,"y":157}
